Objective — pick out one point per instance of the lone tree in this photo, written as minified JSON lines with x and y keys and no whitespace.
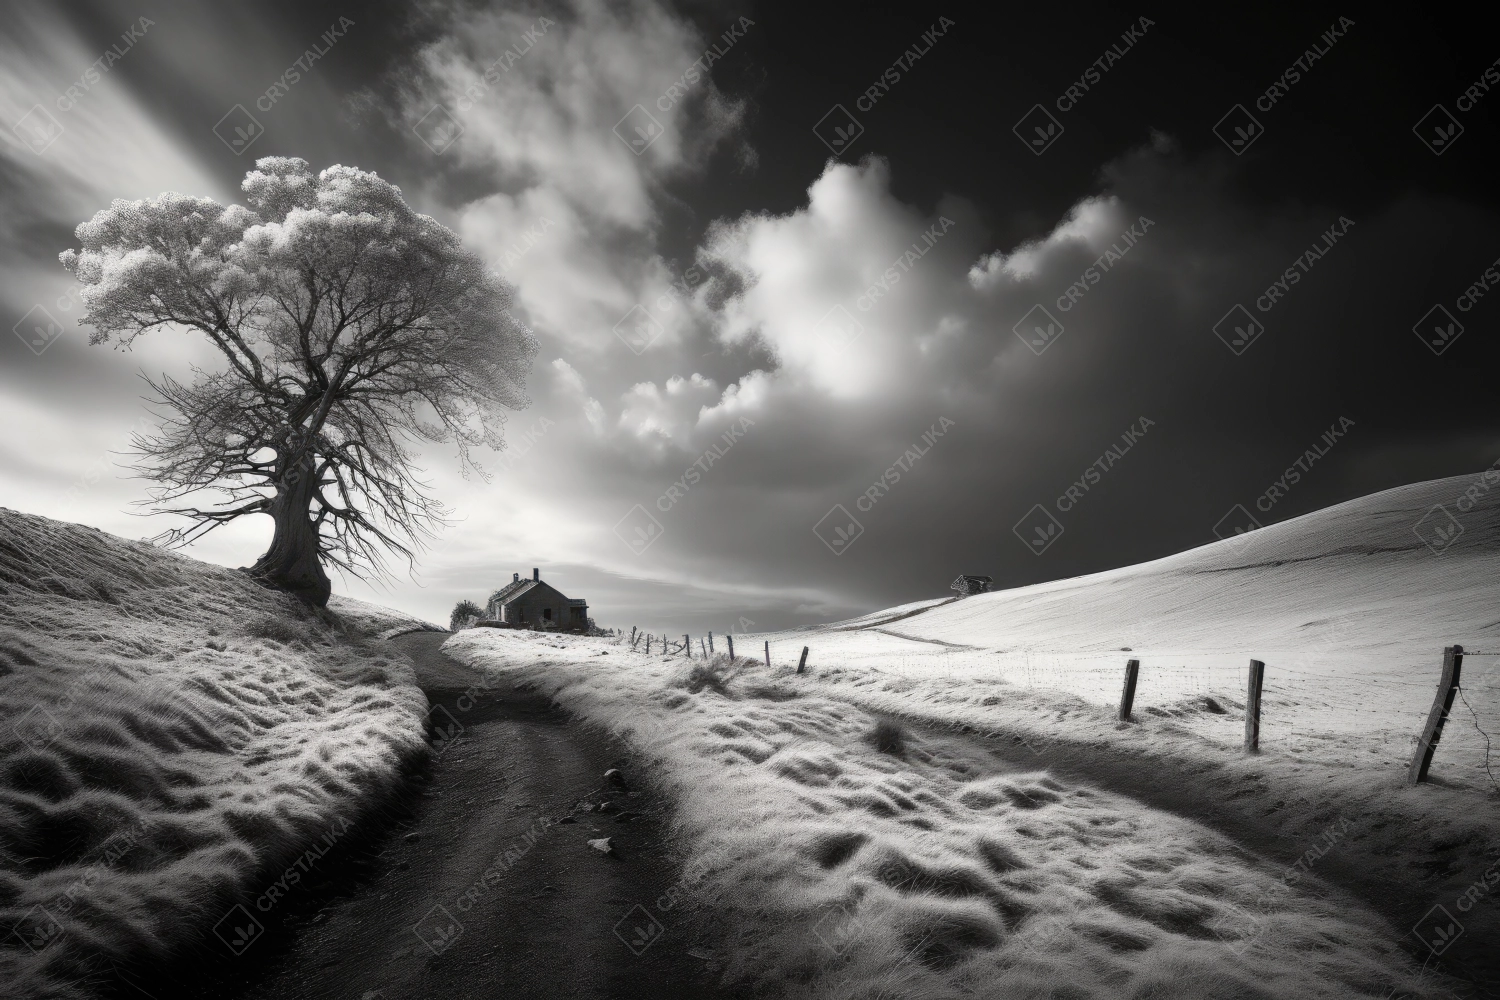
{"x":350,"y":328}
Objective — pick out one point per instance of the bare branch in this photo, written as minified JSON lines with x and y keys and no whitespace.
{"x":352,"y":328}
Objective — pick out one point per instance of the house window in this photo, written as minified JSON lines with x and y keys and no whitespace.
{"x":547,"y":613}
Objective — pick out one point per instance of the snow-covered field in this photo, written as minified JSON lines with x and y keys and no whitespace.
{"x":1348,"y":608}
{"x":171,"y":734}
{"x":846,"y":871}
{"x":841,"y":867}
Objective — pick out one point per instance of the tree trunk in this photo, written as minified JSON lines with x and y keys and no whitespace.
{"x":292,"y":563}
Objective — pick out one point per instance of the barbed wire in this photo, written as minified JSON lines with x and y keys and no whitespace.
{"x":1093,"y":675}
{"x":1486,"y":736}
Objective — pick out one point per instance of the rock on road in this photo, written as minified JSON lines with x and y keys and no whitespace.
{"x":486,"y":894}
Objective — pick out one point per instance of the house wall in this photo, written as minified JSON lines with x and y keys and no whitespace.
{"x":530,"y":605}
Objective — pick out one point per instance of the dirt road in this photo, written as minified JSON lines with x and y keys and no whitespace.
{"x":492,"y":888}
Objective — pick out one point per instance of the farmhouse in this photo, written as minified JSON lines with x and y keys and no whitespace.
{"x":532,"y":603}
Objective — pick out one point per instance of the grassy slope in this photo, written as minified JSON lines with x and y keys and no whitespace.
{"x":1347,"y":607}
{"x":171,"y":735}
{"x":372,"y":619}
{"x":929,"y":883}
{"x":841,"y":870}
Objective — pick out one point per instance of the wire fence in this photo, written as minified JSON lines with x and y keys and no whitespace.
{"x":1332,"y":703}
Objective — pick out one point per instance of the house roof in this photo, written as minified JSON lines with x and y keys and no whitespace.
{"x":519,"y":588}
{"x":511,"y":591}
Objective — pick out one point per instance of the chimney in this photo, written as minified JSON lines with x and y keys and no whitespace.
{"x":515,"y":578}
{"x":536,"y":574}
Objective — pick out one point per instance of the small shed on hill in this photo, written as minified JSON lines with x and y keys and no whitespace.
{"x":532,"y":602}
{"x":967,"y":585}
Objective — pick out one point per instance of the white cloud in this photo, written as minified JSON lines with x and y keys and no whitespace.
{"x":108,"y":145}
{"x":573,"y":385}
{"x":542,"y":124}
{"x":669,"y":413}
{"x":1091,"y":223}
{"x":840,"y":290}
{"x":545,"y":117}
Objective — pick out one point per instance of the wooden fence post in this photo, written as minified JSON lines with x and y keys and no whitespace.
{"x":1252,"y":705}
{"x":802,"y":663}
{"x":768,"y":652}
{"x":632,"y":637}
{"x":710,"y":642}
{"x":730,"y":640}
{"x":702,"y":649}
{"x":1442,"y":704}
{"x":1127,"y":697}
{"x":687,"y":645}
{"x":648,"y":645}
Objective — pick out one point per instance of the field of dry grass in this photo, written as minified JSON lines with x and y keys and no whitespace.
{"x":374,"y":620}
{"x":846,"y":858}
{"x":172,"y":738}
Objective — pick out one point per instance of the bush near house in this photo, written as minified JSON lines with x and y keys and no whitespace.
{"x":463,"y":613}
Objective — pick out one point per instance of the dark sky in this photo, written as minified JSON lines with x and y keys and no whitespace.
{"x":728,"y":189}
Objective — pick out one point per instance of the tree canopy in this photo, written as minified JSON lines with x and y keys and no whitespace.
{"x":351,"y":328}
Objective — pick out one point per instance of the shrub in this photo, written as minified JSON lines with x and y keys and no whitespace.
{"x":462,"y":612}
{"x":714,"y":674}
{"x":888,"y":736}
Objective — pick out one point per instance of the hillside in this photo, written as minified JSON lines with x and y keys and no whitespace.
{"x":838,"y":856}
{"x":372,"y":619}
{"x":1347,"y":606}
{"x":172,"y":738}
{"x":1354,"y":577}
{"x":1033,"y":843}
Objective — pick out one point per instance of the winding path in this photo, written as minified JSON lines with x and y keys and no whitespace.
{"x":486,"y":894}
